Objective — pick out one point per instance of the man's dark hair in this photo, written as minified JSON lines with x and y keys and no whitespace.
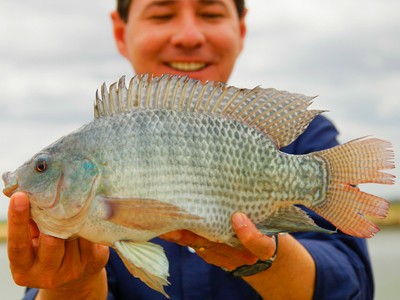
{"x":123,"y":8}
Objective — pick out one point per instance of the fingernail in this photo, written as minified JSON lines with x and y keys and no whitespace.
{"x":239,"y":220}
{"x":20,"y":203}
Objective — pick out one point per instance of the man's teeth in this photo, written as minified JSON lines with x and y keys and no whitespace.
{"x":187,"y":66}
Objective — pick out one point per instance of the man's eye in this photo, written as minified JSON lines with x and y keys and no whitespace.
{"x":212,"y":15}
{"x":161,"y":17}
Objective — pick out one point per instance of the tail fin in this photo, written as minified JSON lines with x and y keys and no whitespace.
{"x":358,"y":161}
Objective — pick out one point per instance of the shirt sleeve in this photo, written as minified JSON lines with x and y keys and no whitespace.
{"x":343,"y":267}
{"x":30,"y":294}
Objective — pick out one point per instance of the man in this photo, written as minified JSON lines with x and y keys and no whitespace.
{"x":201,"y":39}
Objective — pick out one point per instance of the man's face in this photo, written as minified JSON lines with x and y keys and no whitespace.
{"x":197,"y":38}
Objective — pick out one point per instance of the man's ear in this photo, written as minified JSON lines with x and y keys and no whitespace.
{"x":119,"y":32}
{"x":243,"y":27}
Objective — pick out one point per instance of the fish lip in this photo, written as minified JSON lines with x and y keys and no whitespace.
{"x":10,"y":190}
{"x":10,"y":184}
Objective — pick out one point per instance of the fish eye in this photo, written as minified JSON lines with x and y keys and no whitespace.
{"x":41,"y":164}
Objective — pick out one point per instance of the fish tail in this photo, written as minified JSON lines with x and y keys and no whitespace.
{"x":358,"y":161}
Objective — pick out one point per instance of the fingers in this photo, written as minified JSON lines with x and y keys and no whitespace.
{"x":26,"y":254}
{"x":185,"y":238}
{"x":50,"y":251}
{"x":92,"y":256}
{"x":34,"y":233}
{"x":20,"y":249}
{"x":256,"y":245}
{"x":225,"y":256}
{"x":218,"y":254}
{"x":252,"y":239}
{"x":71,"y":266}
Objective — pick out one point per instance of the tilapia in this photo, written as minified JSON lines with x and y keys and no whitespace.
{"x":170,"y":153}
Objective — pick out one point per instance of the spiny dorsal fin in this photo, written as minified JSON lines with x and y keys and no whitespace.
{"x":279,"y":114}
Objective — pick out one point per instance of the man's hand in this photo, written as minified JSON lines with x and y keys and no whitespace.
{"x":57,"y":266}
{"x":255,"y":245}
{"x":293,"y":269}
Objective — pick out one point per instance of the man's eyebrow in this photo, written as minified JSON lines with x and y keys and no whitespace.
{"x":212,"y":2}
{"x":160,"y":3}
{"x":167,"y":2}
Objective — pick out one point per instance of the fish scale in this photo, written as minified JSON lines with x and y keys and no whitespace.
{"x":171,"y":153}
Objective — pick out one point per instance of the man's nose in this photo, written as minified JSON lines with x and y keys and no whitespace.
{"x":189,"y":33}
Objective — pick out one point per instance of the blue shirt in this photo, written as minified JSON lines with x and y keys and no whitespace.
{"x":343,"y":269}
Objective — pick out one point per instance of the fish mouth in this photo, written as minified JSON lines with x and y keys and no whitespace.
{"x":10,"y":184}
{"x":187,"y":66}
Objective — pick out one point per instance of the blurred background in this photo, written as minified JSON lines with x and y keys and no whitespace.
{"x":55,"y":54}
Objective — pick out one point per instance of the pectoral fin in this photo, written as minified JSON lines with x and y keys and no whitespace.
{"x":146,"y":261}
{"x":289,"y":219}
{"x":146,"y":214}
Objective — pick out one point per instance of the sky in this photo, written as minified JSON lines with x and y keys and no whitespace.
{"x":55,"y":54}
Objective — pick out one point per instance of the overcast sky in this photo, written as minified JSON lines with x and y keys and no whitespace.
{"x":55,"y":54}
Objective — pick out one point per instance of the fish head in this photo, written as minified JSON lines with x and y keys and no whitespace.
{"x":37,"y":177}
{"x":57,"y":185}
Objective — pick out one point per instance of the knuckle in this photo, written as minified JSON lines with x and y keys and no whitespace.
{"x":50,"y":280}
{"x":19,"y":258}
{"x":245,"y":239}
{"x":249,"y":237}
{"x":20,"y":279}
{"x":74,"y":273}
{"x":49,"y":283}
{"x":16,"y":221}
{"x":17,"y":249}
{"x":43,"y":281}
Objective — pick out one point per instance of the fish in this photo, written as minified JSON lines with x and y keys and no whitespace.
{"x":169,"y":153}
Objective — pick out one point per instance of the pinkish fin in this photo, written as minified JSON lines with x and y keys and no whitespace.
{"x":147,"y":214}
{"x":281,"y":115}
{"x":359,"y":161}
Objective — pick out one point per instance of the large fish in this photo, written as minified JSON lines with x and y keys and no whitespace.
{"x":171,"y":153}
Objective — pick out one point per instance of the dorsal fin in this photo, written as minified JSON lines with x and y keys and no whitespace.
{"x":279,"y":114}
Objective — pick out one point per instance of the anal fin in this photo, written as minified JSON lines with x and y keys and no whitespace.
{"x":146,"y":261}
{"x":289,"y":219}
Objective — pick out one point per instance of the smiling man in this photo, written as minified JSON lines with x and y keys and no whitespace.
{"x":200,"y":39}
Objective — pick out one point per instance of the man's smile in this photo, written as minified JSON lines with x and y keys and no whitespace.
{"x":187,"y":66}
